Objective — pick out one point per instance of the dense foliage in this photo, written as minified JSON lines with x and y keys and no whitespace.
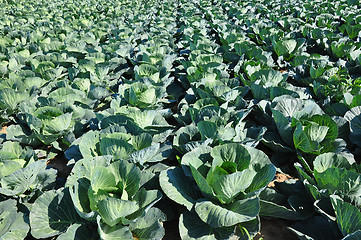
{"x":118,"y":116}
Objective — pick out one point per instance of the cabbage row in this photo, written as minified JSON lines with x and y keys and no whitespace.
{"x":121,"y":116}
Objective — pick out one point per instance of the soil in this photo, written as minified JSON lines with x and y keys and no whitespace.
{"x":171,"y":230}
{"x":275,"y":229}
{"x":3,"y":130}
{"x":59,"y":163}
{"x":280,"y":177}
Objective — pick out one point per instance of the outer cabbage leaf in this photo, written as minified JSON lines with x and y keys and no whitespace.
{"x":192,"y":227}
{"x":149,"y":226}
{"x":348,"y":216}
{"x":179,"y":187}
{"x":354,"y":118}
{"x":23,"y":179}
{"x":52,"y":213}
{"x":237,"y":212}
{"x":12,"y":222}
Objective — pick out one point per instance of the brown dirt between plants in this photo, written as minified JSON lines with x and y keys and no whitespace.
{"x":275,"y":229}
{"x":280,"y":177}
{"x":3,"y":130}
{"x":59,"y":163}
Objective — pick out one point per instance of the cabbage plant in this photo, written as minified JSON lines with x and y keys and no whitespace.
{"x":220,"y":188}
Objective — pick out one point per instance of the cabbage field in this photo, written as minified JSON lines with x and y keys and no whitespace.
{"x":120,"y":117}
